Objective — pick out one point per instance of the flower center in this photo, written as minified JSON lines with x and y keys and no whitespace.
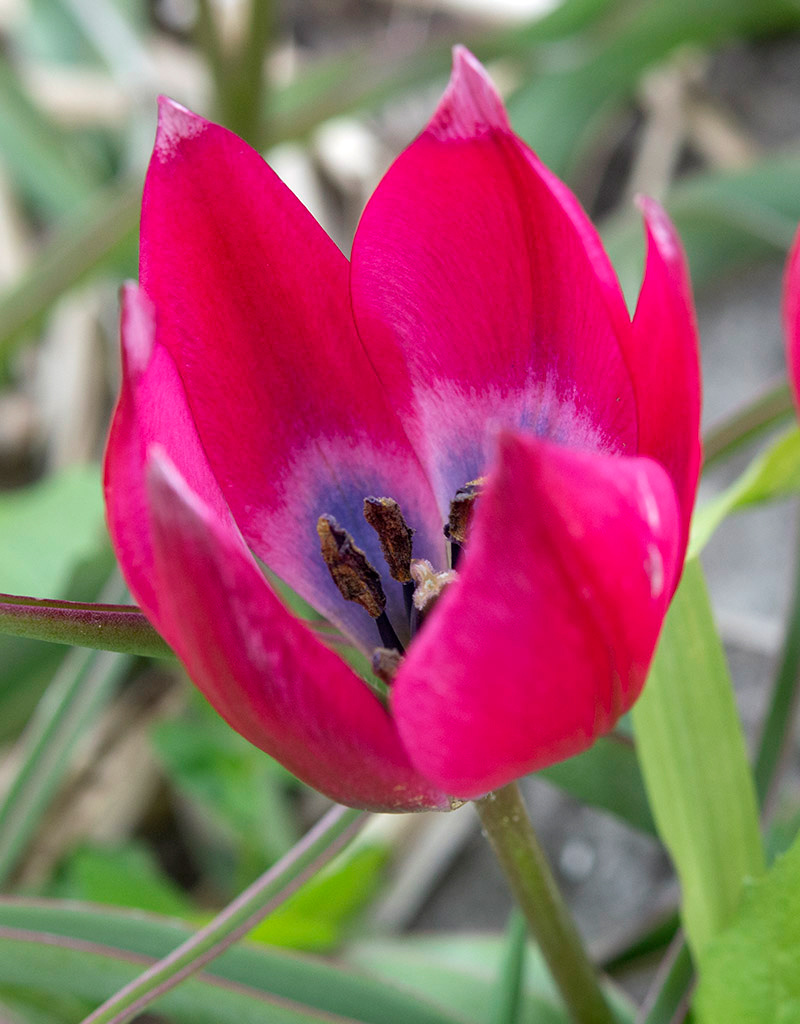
{"x":358,"y":580}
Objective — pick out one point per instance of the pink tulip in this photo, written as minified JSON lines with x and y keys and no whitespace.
{"x":791,"y":316}
{"x":477,"y":337}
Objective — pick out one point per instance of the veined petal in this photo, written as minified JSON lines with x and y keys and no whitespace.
{"x":546,"y":637}
{"x":253,"y":305}
{"x":665,"y":362}
{"x":479,"y":298}
{"x":151,"y":409}
{"x":791,"y":316}
{"x":262,"y":669}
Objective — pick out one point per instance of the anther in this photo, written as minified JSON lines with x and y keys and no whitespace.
{"x":350,"y":568}
{"x":461,"y":510}
{"x":385,"y":663}
{"x":394,"y":533}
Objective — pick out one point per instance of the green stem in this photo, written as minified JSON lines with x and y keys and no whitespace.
{"x":118,"y":627}
{"x":506,"y":823}
{"x":330,"y":835}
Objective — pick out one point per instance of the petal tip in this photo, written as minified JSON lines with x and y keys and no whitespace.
{"x":471,"y":104}
{"x":176,"y":123}
{"x":660,"y":229}
{"x":137,"y":329}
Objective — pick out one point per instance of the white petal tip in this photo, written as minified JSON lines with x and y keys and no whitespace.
{"x":471,"y":105}
{"x":175,"y":125}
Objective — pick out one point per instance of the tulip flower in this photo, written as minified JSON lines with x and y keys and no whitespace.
{"x":456,"y":447}
{"x":791,"y":316}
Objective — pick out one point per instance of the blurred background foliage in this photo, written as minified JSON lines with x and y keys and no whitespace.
{"x":118,"y":785}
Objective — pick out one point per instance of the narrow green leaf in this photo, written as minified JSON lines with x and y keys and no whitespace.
{"x":773,"y":475}
{"x":672,"y":994}
{"x":726,"y":219}
{"x":303,"y":980}
{"x":767,"y":410}
{"x":460,"y":972}
{"x":102,"y":228}
{"x":42,"y":964}
{"x":556,"y":110}
{"x":694,"y":763}
{"x":42,"y":162}
{"x":508,"y":996}
{"x":317,"y":848}
{"x":750,"y":972}
{"x":77,"y":694}
{"x":779,"y":718}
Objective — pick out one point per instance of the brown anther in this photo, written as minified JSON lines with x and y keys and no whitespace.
{"x":461,"y":510}
{"x":385,"y":663}
{"x":348,"y":565}
{"x":394,"y":533}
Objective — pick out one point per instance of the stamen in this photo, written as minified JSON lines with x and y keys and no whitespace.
{"x":430,"y":583}
{"x":388,"y":636}
{"x":461,"y":510}
{"x":385,"y":663}
{"x":352,"y":573}
{"x":394,"y":533}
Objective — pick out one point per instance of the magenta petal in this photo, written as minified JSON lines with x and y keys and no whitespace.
{"x":546,"y":637}
{"x":480,"y":298}
{"x":253,"y":305}
{"x":791,"y":316}
{"x":262,"y":669}
{"x":151,"y":409}
{"x":664,"y":361}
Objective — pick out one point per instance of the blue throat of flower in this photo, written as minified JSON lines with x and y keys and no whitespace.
{"x":358,"y":580}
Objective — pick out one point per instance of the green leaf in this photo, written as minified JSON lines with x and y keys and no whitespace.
{"x":126,"y":876}
{"x":461,"y":972}
{"x":316,"y":917}
{"x":775,"y":474}
{"x":750,"y":973}
{"x":555,"y":111}
{"x":97,"y":231}
{"x":47,"y":529}
{"x":124,"y":941}
{"x":41,"y":159}
{"x":241,"y":797}
{"x":694,"y":763}
{"x":725,"y":219}
{"x":606,"y":776}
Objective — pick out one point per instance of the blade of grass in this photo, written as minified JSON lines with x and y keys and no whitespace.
{"x":103,"y":227}
{"x":315,"y":850}
{"x":767,"y":410}
{"x":79,"y":691}
{"x":508,"y":997}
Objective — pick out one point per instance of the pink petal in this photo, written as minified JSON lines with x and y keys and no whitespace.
{"x":664,"y":361}
{"x":262,"y":669}
{"x":546,"y":637}
{"x":791,"y":316}
{"x":253,"y":306}
{"x":151,"y":409}
{"x":482,"y":299}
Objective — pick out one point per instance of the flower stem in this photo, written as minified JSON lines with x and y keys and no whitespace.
{"x":506,"y":823}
